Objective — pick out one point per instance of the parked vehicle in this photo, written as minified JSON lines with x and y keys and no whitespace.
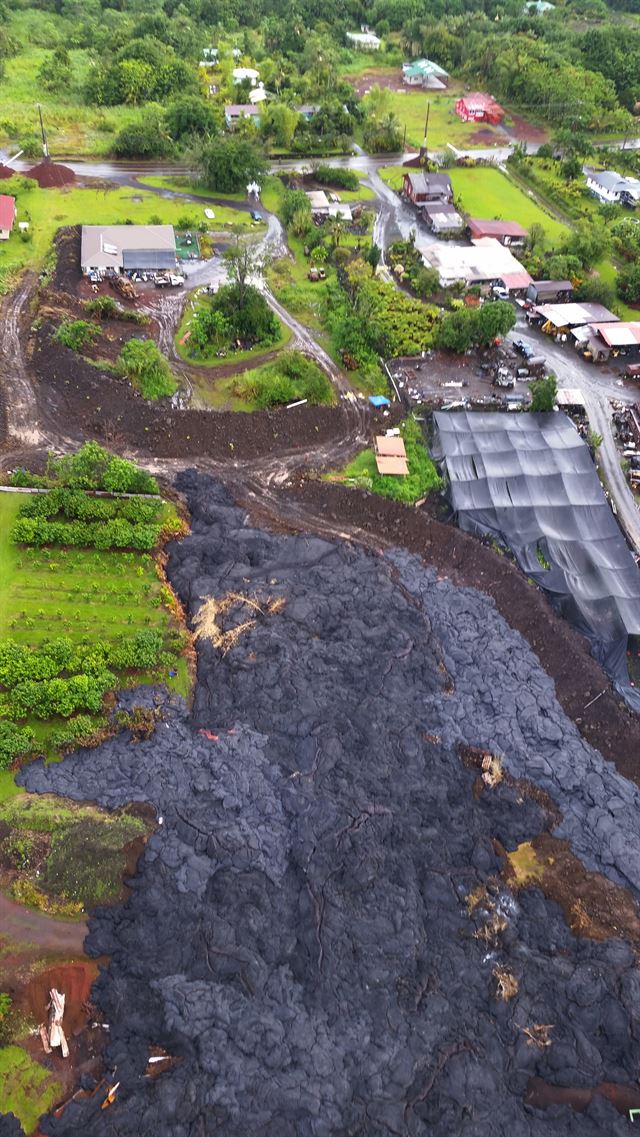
{"x":255,"y":216}
{"x":523,"y":348}
{"x":632,"y":371}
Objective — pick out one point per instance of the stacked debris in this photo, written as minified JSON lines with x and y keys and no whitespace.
{"x":53,"y":1036}
{"x":322,"y":927}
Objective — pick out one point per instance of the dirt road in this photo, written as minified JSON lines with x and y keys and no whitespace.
{"x":21,"y":403}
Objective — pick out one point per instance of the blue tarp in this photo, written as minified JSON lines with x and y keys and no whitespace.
{"x":379,"y":401}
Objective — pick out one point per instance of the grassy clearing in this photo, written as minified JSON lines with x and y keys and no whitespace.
{"x":73,"y":127}
{"x":607,"y":271}
{"x":272,"y":190}
{"x":47,"y":210}
{"x":83,"y":594}
{"x":423,"y":476}
{"x":61,"y":857}
{"x":485,"y":192}
{"x":26,"y":1088}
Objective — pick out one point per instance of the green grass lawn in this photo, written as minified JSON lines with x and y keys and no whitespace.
{"x":84,"y":594}
{"x":485,"y":192}
{"x":47,"y":210}
{"x":272,"y":190}
{"x":26,"y":1088}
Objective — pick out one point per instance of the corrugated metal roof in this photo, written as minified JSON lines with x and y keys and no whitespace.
{"x":7,"y":210}
{"x":103,"y":246}
{"x":574,"y":314}
{"x":480,"y":228}
{"x":148,"y":259}
{"x":622,"y":334}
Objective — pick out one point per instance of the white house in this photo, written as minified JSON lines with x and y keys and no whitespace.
{"x":239,"y":74}
{"x":610,"y":187}
{"x":365,"y":41}
{"x":485,"y":261}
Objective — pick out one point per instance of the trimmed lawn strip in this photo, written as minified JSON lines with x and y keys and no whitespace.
{"x":485,"y":192}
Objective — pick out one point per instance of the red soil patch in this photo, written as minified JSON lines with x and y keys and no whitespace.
{"x":526,"y":131}
{"x":484,"y":137}
{"x":50,"y":174}
{"x":6,"y":172}
{"x":74,"y":980}
{"x":366,"y":80}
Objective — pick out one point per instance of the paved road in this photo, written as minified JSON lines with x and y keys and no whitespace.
{"x":598,"y":387}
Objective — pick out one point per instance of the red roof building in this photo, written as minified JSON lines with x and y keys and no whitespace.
{"x":478,"y":107}
{"x":7,"y":215}
{"x":506,"y":232}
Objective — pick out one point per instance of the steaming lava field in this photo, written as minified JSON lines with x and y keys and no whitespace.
{"x":393,"y":890}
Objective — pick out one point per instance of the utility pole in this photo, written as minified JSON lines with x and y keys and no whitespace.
{"x":423,"y":148}
{"x":45,"y":148}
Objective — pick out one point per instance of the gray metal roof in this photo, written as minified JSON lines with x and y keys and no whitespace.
{"x":103,"y":246}
{"x":148,"y":259}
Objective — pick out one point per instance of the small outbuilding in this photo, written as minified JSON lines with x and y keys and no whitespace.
{"x":478,"y":107}
{"x":424,"y":73}
{"x":555,"y":318}
{"x":442,"y":218}
{"x":364,"y":40}
{"x":234,"y":112}
{"x":546,"y":291}
{"x":7,"y":215}
{"x":506,"y":232}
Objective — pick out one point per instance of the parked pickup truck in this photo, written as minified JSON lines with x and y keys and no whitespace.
{"x":632,"y":371}
{"x":168,"y":280}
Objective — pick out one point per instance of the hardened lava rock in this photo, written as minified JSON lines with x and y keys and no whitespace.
{"x":298,"y":932}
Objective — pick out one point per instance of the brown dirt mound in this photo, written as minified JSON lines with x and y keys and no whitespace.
{"x":50,"y":174}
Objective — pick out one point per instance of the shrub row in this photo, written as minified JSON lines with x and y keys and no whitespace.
{"x":75,"y":504}
{"x":57,"y":696}
{"x":56,"y":657}
{"x":80,"y":729}
{"x":115,"y":534}
{"x":90,"y":468}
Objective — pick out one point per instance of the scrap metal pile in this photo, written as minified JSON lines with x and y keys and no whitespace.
{"x":323,"y":928}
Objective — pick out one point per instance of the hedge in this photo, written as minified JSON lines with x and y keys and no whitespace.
{"x":59,"y":656}
{"x":114,"y":534}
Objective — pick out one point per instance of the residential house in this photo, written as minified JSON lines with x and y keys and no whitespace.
{"x":546,"y":291}
{"x":506,"y":232}
{"x":424,"y":73}
{"x":308,"y":111}
{"x":233,"y":112}
{"x":478,"y":107}
{"x":320,"y":205}
{"x":419,"y":187}
{"x":485,"y":262}
{"x":538,"y":7}
{"x":610,"y":187}
{"x":364,"y":41}
{"x":442,"y":218}
{"x":209,"y":57}
{"x":127,"y":248}
{"x":7,"y":215}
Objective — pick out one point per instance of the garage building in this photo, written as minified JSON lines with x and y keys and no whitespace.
{"x":127,"y":248}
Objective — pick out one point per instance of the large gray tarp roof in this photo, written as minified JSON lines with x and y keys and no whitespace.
{"x":529,"y":480}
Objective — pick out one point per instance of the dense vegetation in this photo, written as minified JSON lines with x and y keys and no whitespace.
{"x":143,"y":364}
{"x":290,"y":377}
{"x":89,"y":468}
{"x":132,"y":80}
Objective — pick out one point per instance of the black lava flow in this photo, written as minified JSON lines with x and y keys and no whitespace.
{"x":297,"y":932}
